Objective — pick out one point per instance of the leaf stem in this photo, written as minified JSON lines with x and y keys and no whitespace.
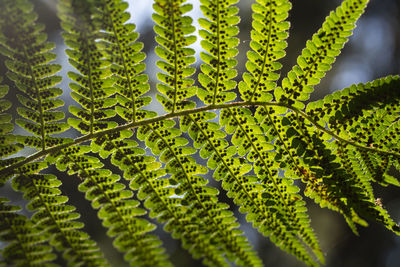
{"x":8,"y":170}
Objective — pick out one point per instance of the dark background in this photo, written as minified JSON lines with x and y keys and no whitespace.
{"x":373,"y":52}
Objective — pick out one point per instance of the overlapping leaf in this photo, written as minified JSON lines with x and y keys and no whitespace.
{"x":304,"y":155}
{"x":366,"y":114}
{"x":289,"y":226}
{"x":353,"y":184}
{"x":333,"y":175}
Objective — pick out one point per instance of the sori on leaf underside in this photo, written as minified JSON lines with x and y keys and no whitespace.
{"x":260,"y":137}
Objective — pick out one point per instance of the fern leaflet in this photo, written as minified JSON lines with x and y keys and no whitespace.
{"x":320,"y":53}
{"x":268,"y":44}
{"x":58,"y":220}
{"x":173,"y":29}
{"x":93,"y":87}
{"x":26,"y":243}
{"x":220,"y":43}
{"x":25,"y":45}
{"x":116,"y":208}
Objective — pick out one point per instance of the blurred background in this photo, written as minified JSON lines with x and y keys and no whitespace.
{"x":372,"y":52}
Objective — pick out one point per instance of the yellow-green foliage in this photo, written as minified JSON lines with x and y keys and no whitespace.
{"x":256,"y":134}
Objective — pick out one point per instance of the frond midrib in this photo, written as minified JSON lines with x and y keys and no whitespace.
{"x":168,"y":116}
{"x":172,"y":19}
{"x":219,"y":58}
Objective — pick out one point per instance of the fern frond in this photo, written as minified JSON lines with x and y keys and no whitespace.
{"x":276,"y":127}
{"x":25,"y":242}
{"x":58,"y":220}
{"x":24,"y":43}
{"x":203,"y":208}
{"x":358,"y":116}
{"x":320,"y":52}
{"x":93,"y":86}
{"x":158,"y":193}
{"x":219,"y":42}
{"x":116,"y":208}
{"x":122,"y":50}
{"x":173,"y":29}
{"x":259,"y":147}
{"x":374,"y":167}
{"x":268,"y":43}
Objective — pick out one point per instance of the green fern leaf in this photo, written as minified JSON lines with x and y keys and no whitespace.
{"x":277,"y":194}
{"x":116,"y":208}
{"x":268,"y":44}
{"x":363,"y":202}
{"x":58,"y":220}
{"x":220,"y":45}
{"x":25,"y":45}
{"x":345,"y":107}
{"x":25,"y":242}
{"x":306,"y":157}
{"x":207,"y":136}
{"x":147,"y":178}
{"x":93,"y":86}
{"x":352,"y":114}
{"x":211,"y":217}
{"x":122,"y":50}
{"x":173,"y":31}
{"x":329,"y":183}
{"x":320,"y":53}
